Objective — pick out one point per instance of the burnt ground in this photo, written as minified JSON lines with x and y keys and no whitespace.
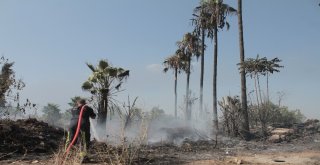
{"x":28,"y":136}
{"x":304,"y":152}
{"x":35,"y":142}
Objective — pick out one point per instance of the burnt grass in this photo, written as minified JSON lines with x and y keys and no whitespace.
{"x":157,"y":153}
{"x":188,"y":151}
{"x":36,"y":140}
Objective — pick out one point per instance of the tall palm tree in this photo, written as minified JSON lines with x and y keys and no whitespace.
{"x":104,"y":82}
{"x":175,"y":63}
{"x":217,"y":13}
{"x":188,"y":47}
{"x":244,"y":106}
{"x":201,"y":25}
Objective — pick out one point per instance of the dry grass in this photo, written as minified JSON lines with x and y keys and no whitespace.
{"x":124,"y":153}
{"x":73,"y":158}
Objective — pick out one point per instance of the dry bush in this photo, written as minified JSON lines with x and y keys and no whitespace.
{"x":231,"y":110}
{"x":73,"y":158}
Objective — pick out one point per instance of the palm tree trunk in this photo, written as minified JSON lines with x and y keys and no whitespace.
{"x":256,"y":90}
{"x":102,"y":115}
{"x":262,"y":110}
{"x":188,"y":113}
{"x":257,"y":97}
{"x":259,"y":87}
{"x":268,"y":87}
{"x":103,"y":111}
{"x":215,"y":66}
{"x":202,"y":72}
{"x":175,"y":92}
{"x":244,"y":105}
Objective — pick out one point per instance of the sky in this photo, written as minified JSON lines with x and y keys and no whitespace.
{"x":50,"y":42}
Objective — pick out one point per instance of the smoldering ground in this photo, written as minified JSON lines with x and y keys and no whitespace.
{"x":163,"y":128}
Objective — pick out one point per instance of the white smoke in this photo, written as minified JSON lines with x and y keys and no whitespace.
{"x":161,"y":129}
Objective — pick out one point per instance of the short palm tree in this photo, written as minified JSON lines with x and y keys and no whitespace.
{"x":188,"y":47}
{"x":103,"y":83}
{"x":254,"y":67}
{"x":272,"y":66}
{"x":176,"y":64}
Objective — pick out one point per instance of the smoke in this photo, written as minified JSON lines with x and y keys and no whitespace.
{"x":163,"y":128}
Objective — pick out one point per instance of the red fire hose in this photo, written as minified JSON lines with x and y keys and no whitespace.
{"x":77,"y":131}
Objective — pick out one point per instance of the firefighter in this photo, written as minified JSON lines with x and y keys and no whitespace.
{"x":85,"y":124}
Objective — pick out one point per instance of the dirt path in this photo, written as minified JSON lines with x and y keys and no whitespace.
{"x":272,"y":158}
{"x":301,"y":158}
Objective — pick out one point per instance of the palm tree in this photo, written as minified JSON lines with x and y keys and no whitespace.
{"x":188,"y":47}
{"x":260,"y":66}
{"x":244,"y":106}
{"x":175,"y":63}
{"x":201,"y":26}
{"x":217,"y":13}
{"x":104,"y":82}
{"x":271,"y":67}
{"x":255,"y":67}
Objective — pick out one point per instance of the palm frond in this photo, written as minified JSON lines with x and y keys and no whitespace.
{"x":91,"y":67}
{"x":112,"y":72}
{"x":117,"y":87}
{"x":87,"y":86}
{"x":227,"y":25}
{"x":165,"y":70}
{"x":124,"y":73}
{"x":103,"y":64}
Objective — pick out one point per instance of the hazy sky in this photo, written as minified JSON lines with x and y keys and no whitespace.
{"x":50,"y":41}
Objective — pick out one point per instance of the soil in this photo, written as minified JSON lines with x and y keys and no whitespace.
{"x":24,"y":136}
